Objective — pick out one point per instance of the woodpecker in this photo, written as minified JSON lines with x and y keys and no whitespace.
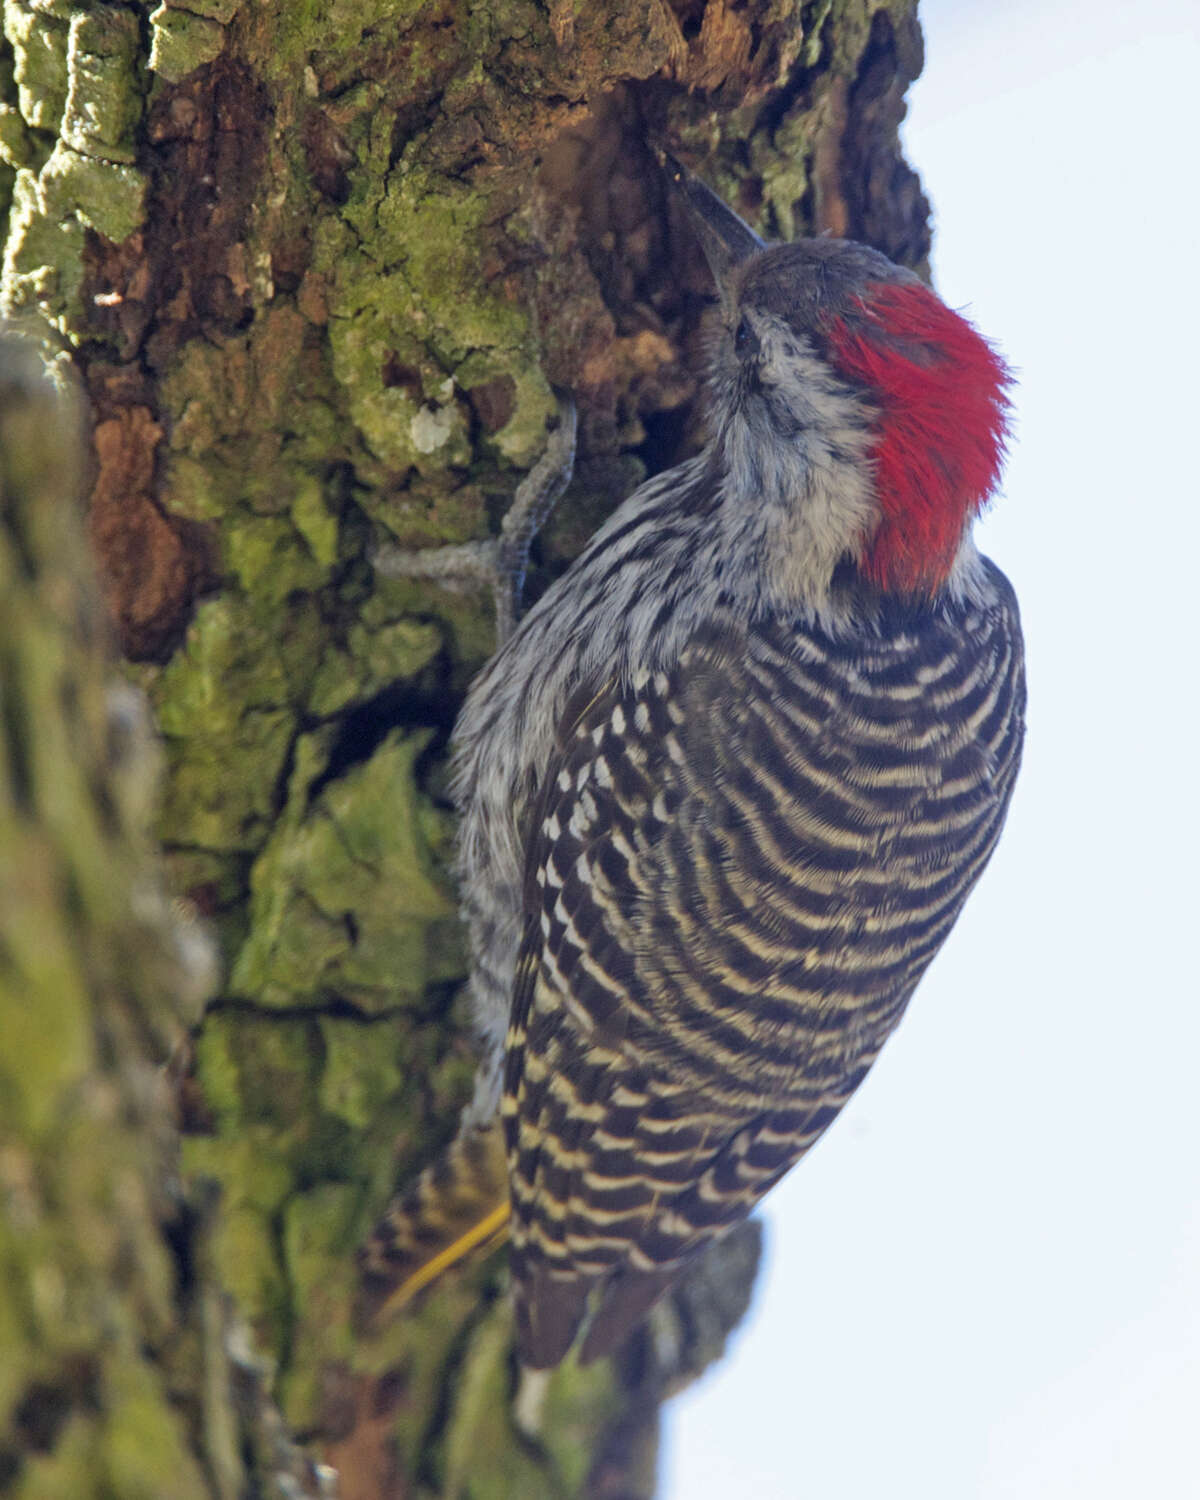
{"x":726,"y":788}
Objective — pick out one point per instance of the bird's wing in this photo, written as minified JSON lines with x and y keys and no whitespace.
{"x":740,"y":871}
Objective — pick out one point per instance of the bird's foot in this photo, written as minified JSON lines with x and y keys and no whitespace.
{"x":499,"y":561}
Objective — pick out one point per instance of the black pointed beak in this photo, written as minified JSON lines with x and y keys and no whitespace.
{"x":726,"y":240}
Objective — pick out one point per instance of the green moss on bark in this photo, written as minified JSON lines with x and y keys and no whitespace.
{"x":103,"y":103}
{"x":39,"y":39}
{"x":347,"y":897}
{"x":336,"y":261}
{"x":92,"y":998}
{"x":182,"y":41}
{"x":229,"y":701}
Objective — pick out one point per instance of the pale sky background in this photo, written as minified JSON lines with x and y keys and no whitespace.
{"x":984,"y":1284}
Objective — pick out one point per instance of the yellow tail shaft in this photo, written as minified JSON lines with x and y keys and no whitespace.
{"x":489,"y":1232}
{"x":458,"y":1205}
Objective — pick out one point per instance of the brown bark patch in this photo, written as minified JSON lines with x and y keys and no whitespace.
{"x":328,"y":156}
{"x":150,"y":573}
{"x":184,"y":275}
{"x":185,"y":272}
{"x":885,"y":206}
{"x":831,"y":213}
{"x":721,"y":50}
{"x":209,"y":137}
{"x":361,"y":1409}
{"x":494,"y":402}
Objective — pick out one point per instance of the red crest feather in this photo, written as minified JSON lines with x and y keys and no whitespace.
{"x":943,"y":421}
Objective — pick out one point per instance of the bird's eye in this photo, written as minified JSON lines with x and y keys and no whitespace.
{"x":745,"y":340}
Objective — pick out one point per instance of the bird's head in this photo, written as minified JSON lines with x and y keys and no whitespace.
{"x":849,"y":397}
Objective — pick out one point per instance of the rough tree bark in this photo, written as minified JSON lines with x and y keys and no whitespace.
{"x":318,"y":269}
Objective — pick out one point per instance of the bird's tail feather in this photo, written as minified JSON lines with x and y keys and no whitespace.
{"x":458,"y":1205}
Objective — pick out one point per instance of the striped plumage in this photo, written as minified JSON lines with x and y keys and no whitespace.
{"x":742,"y":868}
{"x":726,"y":789}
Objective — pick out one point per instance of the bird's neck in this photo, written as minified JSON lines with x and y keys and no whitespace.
{"x":796,"y":481}
{"x":792,"y":512}
{"x":795,"y":522}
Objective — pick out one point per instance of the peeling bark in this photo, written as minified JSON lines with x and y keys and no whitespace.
{"x":319,"y":269}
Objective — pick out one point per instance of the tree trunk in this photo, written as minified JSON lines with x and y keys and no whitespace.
{"x":319,"y":270}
